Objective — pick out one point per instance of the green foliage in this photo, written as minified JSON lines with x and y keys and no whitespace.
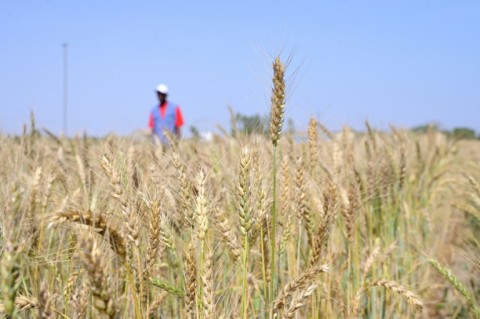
{"x":291,"y":127}
{"x":195,"y":132}
{"x":457,"y":133}
{"x":463,"y":133}
{"x":257,"y":124}
{"x":251,"y":124}
{"x":426,"y":128}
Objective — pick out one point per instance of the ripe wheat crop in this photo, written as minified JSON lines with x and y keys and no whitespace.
{"x":335,"y":225}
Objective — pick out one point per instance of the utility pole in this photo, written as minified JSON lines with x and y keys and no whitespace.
{"x":65,"y":78}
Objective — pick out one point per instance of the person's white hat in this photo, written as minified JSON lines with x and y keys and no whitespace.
{"x":162,"y":88}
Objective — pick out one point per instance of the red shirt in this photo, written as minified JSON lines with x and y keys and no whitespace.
{"x":163,"y":109}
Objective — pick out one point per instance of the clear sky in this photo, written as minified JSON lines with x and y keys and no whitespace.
{"x":401,"y":63}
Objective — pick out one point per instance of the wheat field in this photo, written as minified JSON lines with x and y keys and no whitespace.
{"x":336,"y":225}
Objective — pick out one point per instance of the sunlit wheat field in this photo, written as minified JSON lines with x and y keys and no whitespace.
{"x":341,"y":224}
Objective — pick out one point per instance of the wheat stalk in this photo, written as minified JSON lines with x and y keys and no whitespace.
{"x":245,"y":214}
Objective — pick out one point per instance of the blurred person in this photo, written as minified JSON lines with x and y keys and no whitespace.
{"x":165,"y":116}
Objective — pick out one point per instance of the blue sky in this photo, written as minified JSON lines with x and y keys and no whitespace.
{"x":401,"y":63}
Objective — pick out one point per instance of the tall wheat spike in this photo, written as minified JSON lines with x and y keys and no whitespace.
{"x":276,"y":122}
{"x":278,"y":101}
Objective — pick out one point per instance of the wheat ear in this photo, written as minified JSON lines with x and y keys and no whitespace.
{"x":97,"y":222}
{"x":299,"y":283}
{"x":299,"y":300}
{"x":394,"y":286}
{"x":229,"y":236}
{"x":278,"y":101}
{"x":22,"y":303}
{"x":457,"y":284}
{"x":45,"y":301}
{"x":201,"y":209}
{"x":190,"y":280}
{"x":119,"y":194}
{"x":313,"y":143}
{"x":330,"y":213}
{"x":10,"y":273}
{"x":243,"y":192}
{"x":208,"y":291}
{"x":244,"y":211}
{"x":80,"y":300}
{"x":303,"y":209}
{"x":184,"y":192}
{"x":154,"y":236}
{"x":285,"y":206}
{"x":92,"y":261}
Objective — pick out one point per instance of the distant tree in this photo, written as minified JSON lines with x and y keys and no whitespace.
{"x":463,"y":133}
{"x":195,"y":132}
{"x":426,"y":128}
{"x":291,"y":128}
{"x":251,"y":124}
